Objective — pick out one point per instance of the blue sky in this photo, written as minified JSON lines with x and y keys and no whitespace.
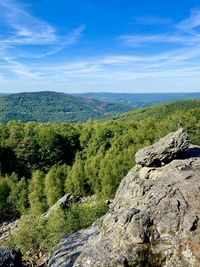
{"x":100,"y":45}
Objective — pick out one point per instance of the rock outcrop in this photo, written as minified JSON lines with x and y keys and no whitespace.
{"x":10,"y":258}
{"x":69,"y":247}
{"x":163,"y":151}
{"x":153,"y":220}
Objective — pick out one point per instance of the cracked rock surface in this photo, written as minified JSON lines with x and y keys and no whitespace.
{"x":152,"y":222}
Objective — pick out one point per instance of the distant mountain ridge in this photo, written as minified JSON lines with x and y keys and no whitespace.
{"x":54,"y":107}
{"x":138,"y":100}
{"x":48,"y":106}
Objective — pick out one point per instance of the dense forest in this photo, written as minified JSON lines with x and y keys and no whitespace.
{"x":54,"y":107}
{"x":40,"y":162}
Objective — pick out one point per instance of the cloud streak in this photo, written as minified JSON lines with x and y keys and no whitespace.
{"x":25,"y":31}
{"x":184,"y":33}
{"x":170,"y":38}
{"x":29,"y":30}
{"x":190,"y":23}
{"x":175,"y":64}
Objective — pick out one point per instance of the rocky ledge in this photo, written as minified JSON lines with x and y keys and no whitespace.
{"x":154,"y":218}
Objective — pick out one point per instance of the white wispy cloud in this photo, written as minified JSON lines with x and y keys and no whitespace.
{"x":177,"y":63}
{"x":139,"y":40}
{"x":30,"y":30}
{"x":27,"y":28}
{"x":24,"y":31}
{"x":191,"y":22}
{"x":185,"y":32}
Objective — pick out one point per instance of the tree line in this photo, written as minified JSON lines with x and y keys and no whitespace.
{"x":40,"y":162}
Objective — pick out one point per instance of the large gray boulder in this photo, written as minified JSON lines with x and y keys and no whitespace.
{"x":152,"y":222}
{"x":164,"y":150}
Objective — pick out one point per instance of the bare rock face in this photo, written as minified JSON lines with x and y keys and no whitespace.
{"x":10,"y":258}
{"x":152,"y":222}
{"x":70,"y":246}
{"x":164,"y":150}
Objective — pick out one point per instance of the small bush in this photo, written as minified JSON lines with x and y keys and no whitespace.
{"x":29,"y":235}
{"x":35,"y":234}
{"x":82,"y":215}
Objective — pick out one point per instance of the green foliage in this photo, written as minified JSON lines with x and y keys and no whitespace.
{"x":4,"y":194}
{"x":50,"y":146}
{"x":37,"y":195}
{"x":30,"y":235}
{"x":159,"y":111}
{"x":76,"y":182}
{"x":55,"y":183}
{"x":35,"y":234}
{"x":55,"y":229}
{"x":82,"y":215}
{"x":36,"y":147}
{"x":18,"y":197}
{"x":27,"y":148}
{"x":92,"y":169}
{"x":113,"y":167}
{"x":13,"y":195}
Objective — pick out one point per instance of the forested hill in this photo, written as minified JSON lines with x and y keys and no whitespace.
{"x":54,"y":107}
{"x":159,"y":111}
{"x":61,"y":107}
